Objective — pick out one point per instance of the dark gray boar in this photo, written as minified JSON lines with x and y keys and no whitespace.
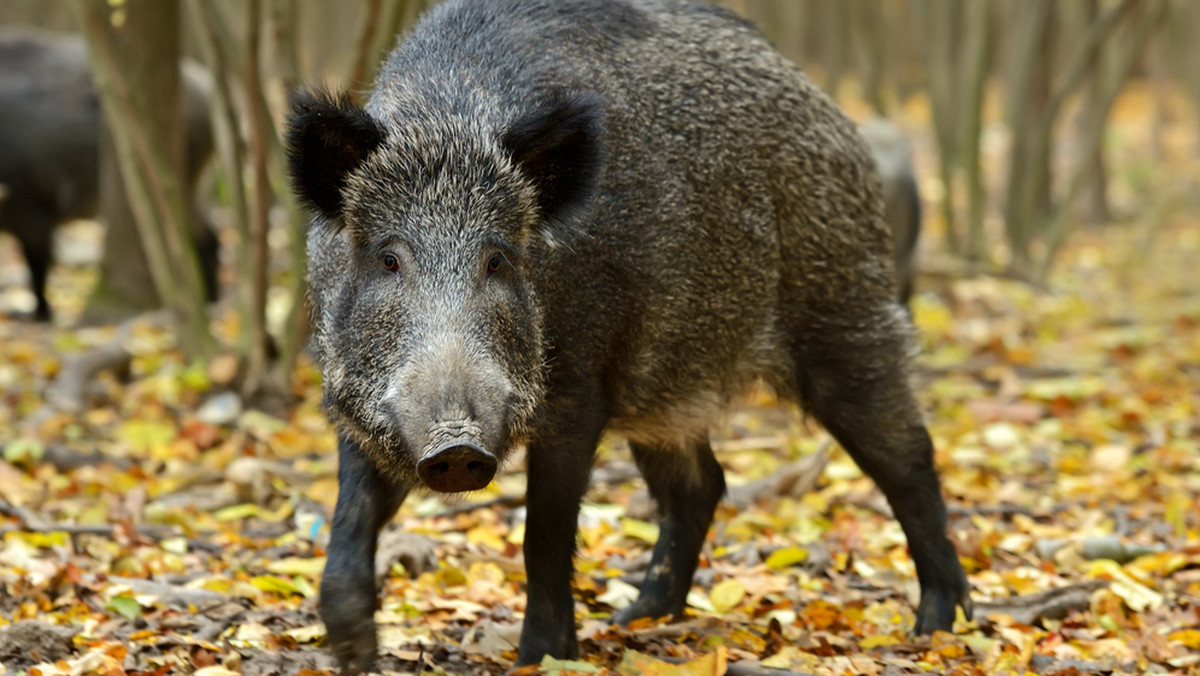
{"x":901,"y":199}
{"x":557,"y":217}
{"x":50,"y":126}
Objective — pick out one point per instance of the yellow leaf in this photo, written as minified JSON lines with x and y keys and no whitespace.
{"x":235,"y":512}
{"x":486,"y":535}
{"x":726,"y":594}
{"x":517,"y":535}
{"x":640,"y":530}
{"x":298,"y":566}
{"x":878,"y":640}
{"x":792,"y":659}
{"x":141,"y":435}
{"x":1136,"y":595}
{"x":309,"y":634}
{"x":56,"y":538}
{"x":275,"y":516}
{"x":634,"y":663}
{"x":1188,"y":637}
{"x":788,"y":556}
{"x":272,"y":583}
{"x":556,"y":667}
{"x":23,"y":451}
{"x":485,"y":572}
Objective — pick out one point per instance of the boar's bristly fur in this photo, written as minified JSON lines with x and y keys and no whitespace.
{"x":591,"y":215}
{"x":51,"y":123}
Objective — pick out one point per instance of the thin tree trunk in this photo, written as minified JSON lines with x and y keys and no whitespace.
{"x":906,"y":20}
{"x":1160,"y":85}
{"x":1029,"y":28}
{"x":122,"y":288}
{"x":1193,"y":73}
{"x":230,"y":147}
{"x":833,"y":44}
{"x":364,"y":45}
{"x":1125,"y":59}
{"x":871,"y":42}
{"x":937,"y":24}
{"x":1029,"y":174}
{"x":296,"y":327}
{"x":1095,"y":203}
{"x":255,"y":319}
{"x":974,"y":80}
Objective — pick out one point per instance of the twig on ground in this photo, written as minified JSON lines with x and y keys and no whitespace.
{"x":27,"y":518}
{"x":170,"y":594}
{"x":1051,"y":604}
{"x":66,"y":393}
{"x":793,"y":480}
{"x":65,"y":460}
{"x":151,"y":532}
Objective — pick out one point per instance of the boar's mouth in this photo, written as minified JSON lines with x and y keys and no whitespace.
{"x":455,"y":459}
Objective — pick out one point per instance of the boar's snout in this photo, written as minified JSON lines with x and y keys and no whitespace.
{"x":457,"y":466}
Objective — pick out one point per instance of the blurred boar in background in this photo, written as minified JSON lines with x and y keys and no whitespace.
{"x":902,"y":201}
{"x":50,"y":127}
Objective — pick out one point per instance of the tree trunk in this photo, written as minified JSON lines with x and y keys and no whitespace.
{"x":941,"y":73}
{"x":1126,"y":52}
{"x":146,"y":125}
{"x":150,"y":39}
{"x":1094,"y":200}
{"x":1028,"y":28}
{"x":834,"y":44}
{"x":972,"y":83}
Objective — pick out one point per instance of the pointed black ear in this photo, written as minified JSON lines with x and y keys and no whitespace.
{"x":328,"y":137}
{"x":558,"y":147}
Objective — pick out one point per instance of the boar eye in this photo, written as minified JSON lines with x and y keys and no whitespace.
{"x":493,"y":264}
{"x":391,"y":262}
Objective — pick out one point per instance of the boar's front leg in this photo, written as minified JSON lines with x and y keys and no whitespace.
{"x":560,"y":461}
{"x":366,"y":501}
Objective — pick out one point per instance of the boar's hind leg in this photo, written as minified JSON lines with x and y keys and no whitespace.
{"x":560,"y":461}
{"x":687,"y":485}
{"x":367,"y":500}
{"x":856,"y":385}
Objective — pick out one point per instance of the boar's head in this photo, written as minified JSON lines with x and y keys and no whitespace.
{"x":425,"y":228}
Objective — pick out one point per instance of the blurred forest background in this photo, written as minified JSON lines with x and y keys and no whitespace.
{"x":1057,"y":151}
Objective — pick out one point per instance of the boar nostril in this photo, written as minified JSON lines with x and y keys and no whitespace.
{"x":457,"y":467}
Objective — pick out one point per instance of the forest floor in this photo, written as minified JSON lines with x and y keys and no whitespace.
{"x":162,"y":529}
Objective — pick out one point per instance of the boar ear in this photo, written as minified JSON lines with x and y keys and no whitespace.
{"x":328,"y":137}
{"x":557,"y":146}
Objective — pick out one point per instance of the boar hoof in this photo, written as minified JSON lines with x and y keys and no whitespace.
{"x":350,"y":625}
{"x":937,"y":609}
